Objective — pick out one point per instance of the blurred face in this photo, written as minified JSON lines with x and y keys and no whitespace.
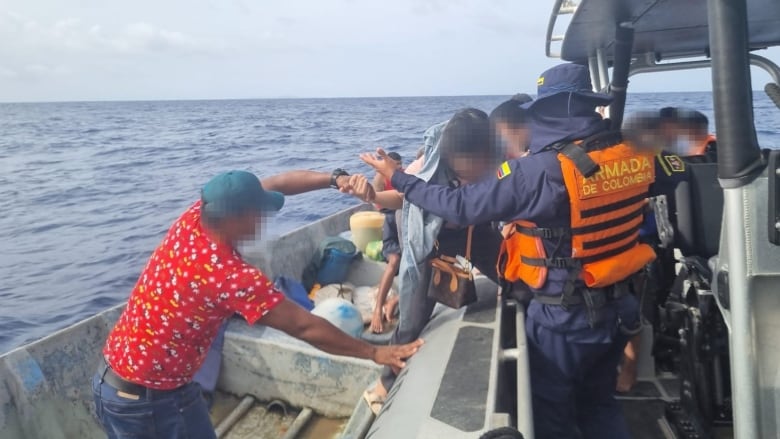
{"x":470,"y":168}
{"x":681,"y":139}
{"x":689,"y":141}
{"x":695,"y":134}
{"x":668,"y":132}
{"x":397,"y":163}
{"x":514,"y":139}
{"x":244,"y":227}
{"x":649,"y":141}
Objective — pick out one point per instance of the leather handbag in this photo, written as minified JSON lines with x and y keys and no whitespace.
{"x":452,"y":284}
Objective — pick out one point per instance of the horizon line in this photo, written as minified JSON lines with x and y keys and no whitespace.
{"x":292,"y":98}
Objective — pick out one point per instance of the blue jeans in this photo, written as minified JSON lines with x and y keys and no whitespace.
{"x":177,"y":414}
{"x":208,"y":373}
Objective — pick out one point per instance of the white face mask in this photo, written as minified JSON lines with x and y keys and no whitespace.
{"x":266,"y":231}
{"x":681,"y":146}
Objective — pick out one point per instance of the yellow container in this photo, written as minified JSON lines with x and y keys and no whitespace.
{"x":366,"y":227}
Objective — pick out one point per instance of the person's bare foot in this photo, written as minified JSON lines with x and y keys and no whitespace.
{"x":376,"y":322}
{"x":389,"y":308}
{"x":375,"y":398}
{"x":627,"y":377}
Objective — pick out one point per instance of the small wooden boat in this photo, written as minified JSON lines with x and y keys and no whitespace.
{"x":274,"y":386}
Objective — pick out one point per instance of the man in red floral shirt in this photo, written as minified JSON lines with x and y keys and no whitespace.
{"x":193,"y":282}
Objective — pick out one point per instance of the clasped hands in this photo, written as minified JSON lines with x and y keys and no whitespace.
{"x":358,"y":185}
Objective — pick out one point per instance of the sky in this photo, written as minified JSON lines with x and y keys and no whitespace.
{"x":65,"y":50}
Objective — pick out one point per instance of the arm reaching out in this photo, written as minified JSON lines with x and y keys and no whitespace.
{"x":359,"y":187}
{"x":378,"y":183}
{"x":391,"y":199}
{"x":298,"y":182}
{"x":503,"y":197}
{"x":297,"y":322}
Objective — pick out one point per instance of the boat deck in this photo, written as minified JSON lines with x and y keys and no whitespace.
{"x":644,"y":408}
{"x":243,"y":418}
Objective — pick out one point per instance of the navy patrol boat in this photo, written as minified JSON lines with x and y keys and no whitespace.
{"x":709,"y":367}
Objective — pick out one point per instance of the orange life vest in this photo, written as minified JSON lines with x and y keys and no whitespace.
{"x":607,"y":188}
{"x":704,"y":146}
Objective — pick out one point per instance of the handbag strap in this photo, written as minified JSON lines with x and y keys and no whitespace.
{"x":468,"y":243}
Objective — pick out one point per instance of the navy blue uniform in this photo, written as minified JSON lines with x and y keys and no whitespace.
{"x":532,"y":190}
{"x":670,"y":170}
{"x":573,"y":366}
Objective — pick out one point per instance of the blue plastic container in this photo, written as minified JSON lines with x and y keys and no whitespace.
{"x":335,"y":266}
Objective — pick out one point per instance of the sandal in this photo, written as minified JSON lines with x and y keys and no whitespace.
{"x":375,"y":402}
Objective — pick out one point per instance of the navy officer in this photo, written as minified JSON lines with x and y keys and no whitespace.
{"x":576,"y":203}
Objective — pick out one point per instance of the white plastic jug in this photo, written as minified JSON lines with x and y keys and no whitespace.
{"x":366,"y":227}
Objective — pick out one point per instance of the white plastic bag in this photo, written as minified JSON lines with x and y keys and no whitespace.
{"x":342,"y":291}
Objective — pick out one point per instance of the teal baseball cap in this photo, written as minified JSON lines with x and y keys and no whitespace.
{"x":237,"y":192}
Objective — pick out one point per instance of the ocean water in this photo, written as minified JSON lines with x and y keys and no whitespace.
{"x":88,"y":189}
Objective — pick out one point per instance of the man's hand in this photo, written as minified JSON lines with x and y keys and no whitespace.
{"x":381,"y":162}
{"x":394,"y":355}
{"x":342,"y":182}
{"x":360,"y":187}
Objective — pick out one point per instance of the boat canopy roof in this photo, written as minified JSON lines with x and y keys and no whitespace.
{"x":667,"y":28}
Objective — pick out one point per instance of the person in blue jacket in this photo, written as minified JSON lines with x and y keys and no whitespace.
{"x":576,"y":334}
{"x":457,"y":152}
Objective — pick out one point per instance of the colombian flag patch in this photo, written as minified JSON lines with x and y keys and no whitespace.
{"x":503,"y":170}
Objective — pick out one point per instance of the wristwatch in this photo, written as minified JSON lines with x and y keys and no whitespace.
{"x":338,"y":172}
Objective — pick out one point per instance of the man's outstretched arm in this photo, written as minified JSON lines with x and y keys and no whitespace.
{"x":492,"y":199}
{"x":300,"y":181}
{"x":299,"y":323}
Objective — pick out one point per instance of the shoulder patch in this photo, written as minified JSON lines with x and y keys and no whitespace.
{"x":676,"y":164}
{"x":504,"y":170}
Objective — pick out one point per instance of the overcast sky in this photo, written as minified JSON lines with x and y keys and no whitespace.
{"x":55,"y":50}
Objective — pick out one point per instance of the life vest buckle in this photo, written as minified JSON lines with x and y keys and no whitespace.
{"x":579,"y":157}
{"x":542,"y":232}
{"x":561,"y":263}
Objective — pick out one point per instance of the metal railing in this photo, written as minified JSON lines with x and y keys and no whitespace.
{"x":561,"y":7}
{"x":647,"y":64}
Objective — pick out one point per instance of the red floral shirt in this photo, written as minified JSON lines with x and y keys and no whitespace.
{"x":190,"y":285}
